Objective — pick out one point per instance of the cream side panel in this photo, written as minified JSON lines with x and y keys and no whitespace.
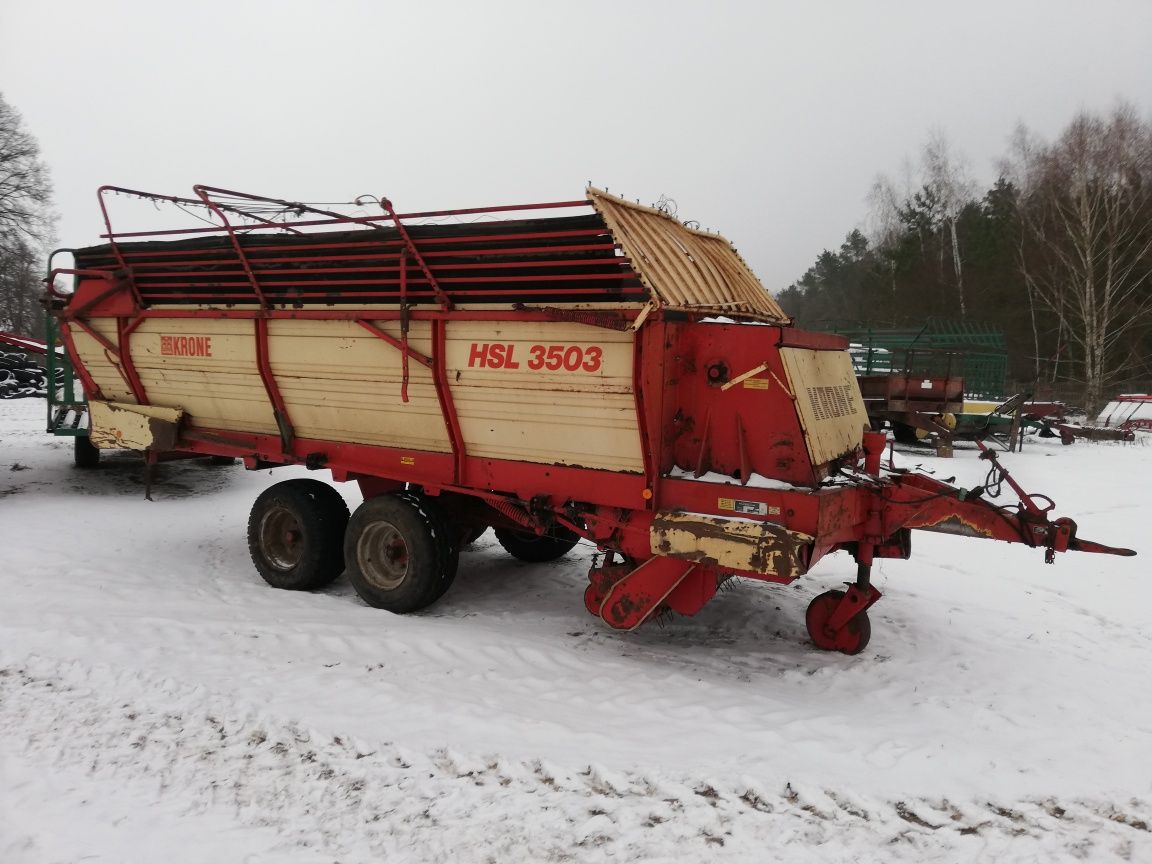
{"x":827,"y":399}
{"x":98,"y":363}
{"x":221,"y":391}
{"x":566,"y":416}
{"x":341,"y":383}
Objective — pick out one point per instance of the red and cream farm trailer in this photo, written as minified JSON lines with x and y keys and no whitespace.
{"x":579,"y":369}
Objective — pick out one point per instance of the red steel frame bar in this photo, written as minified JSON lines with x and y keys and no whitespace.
{"x":389,"y":338}
{"x":115,"y":248}
{"x":444,"y":395}
{"x":206,"y":254}
{"x":143,"y":273}
{"x":124,"y":330}
{"x":109,"y":347}
{"x":336,"y":219}
{"x":178,"y":200}
{"x":404,"y":327}
{"x":445,"y":303}
{"x":91,"y":388}
{"x":279,"y":409}
{"x":364,"y":314}
{"x":235,"y":244}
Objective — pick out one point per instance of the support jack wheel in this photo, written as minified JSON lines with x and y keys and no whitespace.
{"x":852,"y":638}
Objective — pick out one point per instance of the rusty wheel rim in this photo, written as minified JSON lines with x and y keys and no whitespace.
{"x":281,"y":538}
{"x":382,"y":556}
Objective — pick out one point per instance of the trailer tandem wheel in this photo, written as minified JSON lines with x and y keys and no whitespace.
{"x":445,"y":533}
{"x":537,"y":548}
{"x":296,"y":534}
{"x":85,"y":454}
{"x":396,"y":553}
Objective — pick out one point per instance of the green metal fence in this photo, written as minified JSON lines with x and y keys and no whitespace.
{"x":980,"y":348}
{"x":67,"y":407}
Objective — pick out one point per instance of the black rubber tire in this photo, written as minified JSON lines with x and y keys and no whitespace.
{"x":85,"y":454}
{"x":333,"y":507}
{"x":447,"y":538}
{"x":535,"y":548}
{"x":471,"y":532}
{"x":397,"y":553}
{"x":315,"y":557}
{"x":904,"y":434}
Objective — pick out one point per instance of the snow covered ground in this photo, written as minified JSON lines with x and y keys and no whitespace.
{"x":159,"y":702}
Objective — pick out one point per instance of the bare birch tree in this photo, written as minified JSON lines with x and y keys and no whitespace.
{"x":26,"y":222}
{"x":946,"y":175}
{"x":1086,"y":212}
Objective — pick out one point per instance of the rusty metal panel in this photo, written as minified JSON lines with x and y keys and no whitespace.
{"x":125,"y":426}
{"x":828,"y":401}
{"x":682,"y":267}
{"x":747,"y":545}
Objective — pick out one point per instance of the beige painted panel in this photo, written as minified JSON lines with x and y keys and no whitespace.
{"x":562,"y":416}
{"x":98,"y":363}
{"x":223,"y":390}
{"x":341,"y":383}
{"x":729,"y":543}
{"x":827,"y":400}
{"x":685,"y":268}
{"x":131,"y":426}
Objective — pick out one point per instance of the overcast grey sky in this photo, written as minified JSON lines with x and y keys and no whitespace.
{"x":765,"y":121}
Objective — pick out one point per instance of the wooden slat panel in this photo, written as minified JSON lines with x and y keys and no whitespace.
{"x":684,"y":268}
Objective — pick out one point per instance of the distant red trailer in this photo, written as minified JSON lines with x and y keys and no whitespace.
{"x":580,"y":369}
{"x":1128,"y":411}
{"x":23,"y":343}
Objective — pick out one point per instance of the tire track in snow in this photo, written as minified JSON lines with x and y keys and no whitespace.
{"x":327,"y":794}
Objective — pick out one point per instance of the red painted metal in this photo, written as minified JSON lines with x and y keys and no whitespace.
{"x":791,"y":338}
{"x":114,"y":353}
{"x":633,"y":599}
{"x":711,"y":402}
{"x":854,"y":601}
{"x":91,"y":388}
{"x":31,"y":346}
{"x":115,"y":248}
{"x":447,"y":405}
{"x":279,"y":409}
{"x":850,"y":637}
{"x":124,"y":329}
{"x":398,"y":344}
{"x":252,"y":280}
{"x":105,"y":343}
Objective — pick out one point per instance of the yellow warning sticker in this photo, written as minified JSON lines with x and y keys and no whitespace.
{"x":407,"y":460}
{"x":757,"y":383}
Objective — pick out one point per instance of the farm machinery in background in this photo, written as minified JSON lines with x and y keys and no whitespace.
{"x":1123,"y":417}
{"x":944,"y":381}
{"x":587,"y":369}
{"x":917,"y":380}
